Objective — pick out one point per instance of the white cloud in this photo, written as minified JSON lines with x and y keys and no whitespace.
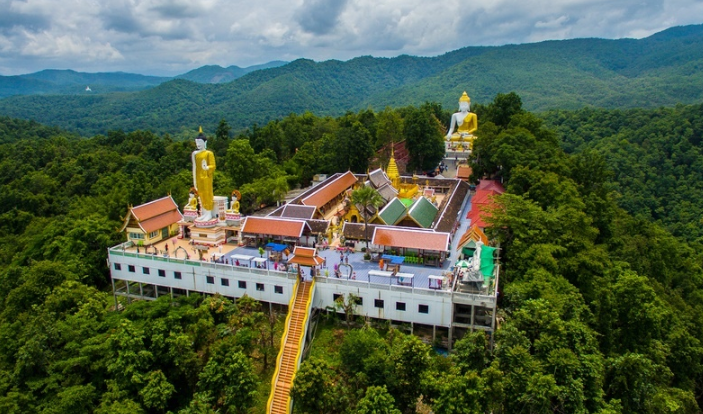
{"x":173,"y":36}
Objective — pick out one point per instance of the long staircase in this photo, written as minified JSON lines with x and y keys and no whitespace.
{"x":291,"y":348}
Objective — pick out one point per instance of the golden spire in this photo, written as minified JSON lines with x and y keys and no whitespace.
{"x":200,"y":130}
{"x":465,"y":98}
{"x":392,"y":170}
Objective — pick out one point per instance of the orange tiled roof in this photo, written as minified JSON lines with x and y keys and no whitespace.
{"x":463,"y":172}
{"x":305,"y":256}
{"x":411,"y":239}
{"x":306,"y":261}
{"x":274,"y":226}
{"x":330,"y":190}
{"x":472,"y":233}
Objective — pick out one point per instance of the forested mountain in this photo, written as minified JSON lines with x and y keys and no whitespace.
{"x":600,"y":312}
{"x":663,"y":69}
{"x":69,"y":82}
{"x":218,"y":74}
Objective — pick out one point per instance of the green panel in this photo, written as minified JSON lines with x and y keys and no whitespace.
{"x":487,"y":262}
{"x":468,"y":251}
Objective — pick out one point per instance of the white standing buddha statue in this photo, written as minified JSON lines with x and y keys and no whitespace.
{"x":203,"y":170}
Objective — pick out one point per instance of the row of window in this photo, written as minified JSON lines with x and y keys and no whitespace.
{"x":209,"y":279}
{"x":379,"y":303}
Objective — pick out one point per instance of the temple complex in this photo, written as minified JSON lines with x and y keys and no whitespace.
{"x":421,"y":270}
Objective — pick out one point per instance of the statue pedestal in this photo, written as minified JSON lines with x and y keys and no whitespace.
{"x":190,"y":215}
{"x":208,"y":236}
{"x":203,"y":224}
{"x":233,"y":219}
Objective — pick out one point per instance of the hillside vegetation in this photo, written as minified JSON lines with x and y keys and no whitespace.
{"x":663,"y":69}
{"x":601,"y":311}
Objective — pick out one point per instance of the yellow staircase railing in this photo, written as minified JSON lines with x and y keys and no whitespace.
{"x":291,"y":348}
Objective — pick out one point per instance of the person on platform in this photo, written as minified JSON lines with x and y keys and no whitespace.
{"x":203,"y":170}
{"x":464,"y":121}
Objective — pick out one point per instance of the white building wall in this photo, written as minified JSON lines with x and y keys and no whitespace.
{"x":439,"y":303}
{"x":194,"y":278}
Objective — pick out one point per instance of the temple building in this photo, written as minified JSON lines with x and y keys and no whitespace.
{"x":414,"y":258}
{"x":152,"y":222}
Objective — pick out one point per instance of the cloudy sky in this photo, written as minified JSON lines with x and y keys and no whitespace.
{"x":169,"y":37}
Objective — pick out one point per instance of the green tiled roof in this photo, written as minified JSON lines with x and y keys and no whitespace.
{"x":423,"y":212}
{"x":393,"y":212}
{"x":407,"y":202}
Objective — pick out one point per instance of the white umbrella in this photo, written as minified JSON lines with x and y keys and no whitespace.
{"x":463,"y":264}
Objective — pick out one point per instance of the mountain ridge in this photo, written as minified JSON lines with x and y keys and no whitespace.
{"x":663,"y":69}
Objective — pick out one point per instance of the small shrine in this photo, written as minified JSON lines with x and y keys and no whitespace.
{"x":152,"y":222}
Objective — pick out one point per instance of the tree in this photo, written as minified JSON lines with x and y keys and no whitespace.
{"x":423,"y":139}
{"x":221,"y":141}
{"x":389,"y":129}
{"x":229,"y":380}
{"x":156,"y":391}
{"x":365,"y":199}
{"x":316,"y":388}
{"x":377,"y":400}
{"x":503,"y":107}
{"x":348,"y":306}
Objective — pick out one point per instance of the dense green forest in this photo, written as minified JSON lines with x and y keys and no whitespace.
{"x":663,"y":69}
{"x":601,"y":305}
{"x":655,"y":156}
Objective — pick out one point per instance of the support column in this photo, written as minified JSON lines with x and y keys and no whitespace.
{"x":473,"y":312}
{"x":114,"y":294}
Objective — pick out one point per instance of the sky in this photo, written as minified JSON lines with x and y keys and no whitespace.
{"x":170,"y":37}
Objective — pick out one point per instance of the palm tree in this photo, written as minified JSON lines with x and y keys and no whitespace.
{"x":365,"y":198}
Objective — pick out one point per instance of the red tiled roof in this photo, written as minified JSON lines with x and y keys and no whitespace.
{"x":161,"y":221}
{"x":274,"y":226}
{"x":329,"y":191}
{"x":484,"y":197}
{"x":411,"y":239}
{"x":490,"y":185}
{"x":154,"y":208}
{"x":154,"y":215}
{"x":478,"y":214}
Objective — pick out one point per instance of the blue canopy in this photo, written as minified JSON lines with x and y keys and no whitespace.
{"x":277,"y":247}
{"x":393,"y":259}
